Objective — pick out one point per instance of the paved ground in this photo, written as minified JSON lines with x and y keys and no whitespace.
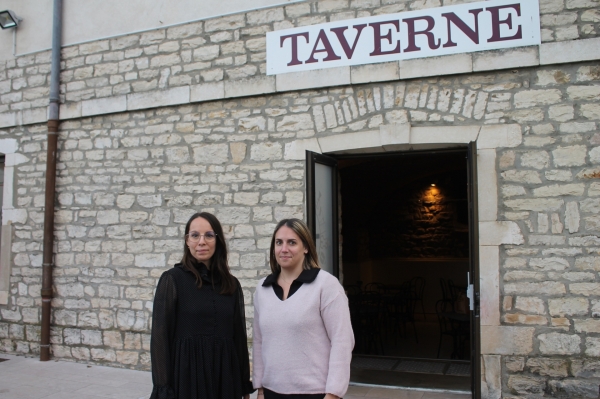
{"x":28,"y":378}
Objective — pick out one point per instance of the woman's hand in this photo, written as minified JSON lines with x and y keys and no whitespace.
{"x":331,"y":396}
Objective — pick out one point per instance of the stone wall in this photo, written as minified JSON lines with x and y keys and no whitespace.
{"x":224,"y":49}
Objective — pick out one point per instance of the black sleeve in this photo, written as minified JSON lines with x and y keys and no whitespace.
{"x":240,"y":339}
{"x":162,"y":339}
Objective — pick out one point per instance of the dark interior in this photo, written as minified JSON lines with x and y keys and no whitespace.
{"x":405,"y":258}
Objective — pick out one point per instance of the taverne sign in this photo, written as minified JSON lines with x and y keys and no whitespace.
{"x":464,"y":28}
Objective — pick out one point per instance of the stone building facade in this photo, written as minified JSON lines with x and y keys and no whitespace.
{"x":158,"y":125}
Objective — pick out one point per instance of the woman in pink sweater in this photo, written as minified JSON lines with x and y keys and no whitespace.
{"x":303,"y":339}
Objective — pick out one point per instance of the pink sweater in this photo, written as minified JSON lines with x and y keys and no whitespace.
{"x":303,"y":344}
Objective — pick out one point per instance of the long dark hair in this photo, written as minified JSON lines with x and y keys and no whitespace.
{"x":311,"y":259}
{"x":218,"y":262}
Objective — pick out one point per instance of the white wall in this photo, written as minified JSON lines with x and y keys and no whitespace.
{"x":86,"y":20}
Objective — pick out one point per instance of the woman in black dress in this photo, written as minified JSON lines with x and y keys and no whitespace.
{"x":199,"y":345}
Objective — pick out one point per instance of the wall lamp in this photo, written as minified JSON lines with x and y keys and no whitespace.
{"x":9,"y":19}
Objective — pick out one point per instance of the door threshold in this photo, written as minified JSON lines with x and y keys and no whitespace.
{"x":408,"y":388}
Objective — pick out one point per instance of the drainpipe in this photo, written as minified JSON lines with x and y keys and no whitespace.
{"x":48,"y":261}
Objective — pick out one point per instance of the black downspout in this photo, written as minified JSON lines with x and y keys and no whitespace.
{"x":53,"y":121}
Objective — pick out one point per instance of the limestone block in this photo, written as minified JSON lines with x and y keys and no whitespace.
{"x":546,"y":264}
{"x":590,"y":111}
{"x":530,"y":305}
{"x":244,"y":198}
{"x":230,"y":22}
{"x":488,"y":185}
{"x":150,"y":260}
{"x":495,"y":136}
{"x":266,"y":151}
{"x":585,"y":93}
{"x":103,"y":355}
{"x":450,"y":134}
{"x":572,"y":216}
{"x":559,"y":344}
{"x":592,"y":345}
{"x":348,"y":141}
{"x":584,"y":241}
{"x":249,"y":86}
{"x":535,"y":204}
{"x":489,"y":280}
{"x":498,"y":233}
{"x":296,"y":150}
{"x":211,"y":154}
{"x":556,"y":190}
{"x":504,"y":59}
{"x":150,"y":201}
{"x":20,"y":216}
{"x":585,"y":289}
{"x":535,"y":288}
{"x":569,"y":51}
{"x":506,"y":340}
{"x":570,"y":156}
{"x":436,"y":66}
{"x":590,"y":205}
{"x":548,"y":367}
{"x":234,"y":215}
{"x":108,"y":217}
{"x":526,"y":385}
{"x":158,"y":98}
{"x":532,"y":98}
{"x":35,"y":115}
{"x":87,"y":320}
{"x":392,"y":134}
{"x":243,"y":245}
{"x":70,"y":290}
{"x":588,"y":263}
{"x":62,"y":317}
{"x":207,"y":91}
{"x":568,"y":306}
{"x":252,"y":124}
{"x":379,"y":72}
{"x":493,"y":375}
{"x":573,"y":388}
{"x":253,"y":261}
{"x":328,"y":77}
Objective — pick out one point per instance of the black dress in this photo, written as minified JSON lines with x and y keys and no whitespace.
{"x":199,"y":346}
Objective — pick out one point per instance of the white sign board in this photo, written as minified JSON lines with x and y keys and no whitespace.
{"x":463,"y":28}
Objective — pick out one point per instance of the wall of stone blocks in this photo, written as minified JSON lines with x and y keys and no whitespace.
{"x":128,"y":182}
{"x":229,"y":48}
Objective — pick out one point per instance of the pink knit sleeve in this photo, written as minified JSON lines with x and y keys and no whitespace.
{"x":257,"y":362}
{"x":336,"y":318}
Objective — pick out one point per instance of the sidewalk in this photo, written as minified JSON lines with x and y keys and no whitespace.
{"x":28,"y":378}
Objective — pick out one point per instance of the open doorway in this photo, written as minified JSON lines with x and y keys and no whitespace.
{"x":405,"y":254}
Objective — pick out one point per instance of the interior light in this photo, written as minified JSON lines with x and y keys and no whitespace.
{"x":432,"y":184}
{"x":9,"y":19}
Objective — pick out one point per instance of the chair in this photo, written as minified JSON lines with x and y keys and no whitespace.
{"x":418,"y":289}
{"x":449,"y":293}
{"x":454,"y":328}
{"x":366,"y":316}
{"x":403,"y":312}
{"x":378,"y":287}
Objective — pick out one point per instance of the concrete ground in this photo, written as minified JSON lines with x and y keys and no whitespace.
{"x":28,"y":378}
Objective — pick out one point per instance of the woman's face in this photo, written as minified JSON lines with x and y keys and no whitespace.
{"x":289,"y":249}
{"x":204,"y":248}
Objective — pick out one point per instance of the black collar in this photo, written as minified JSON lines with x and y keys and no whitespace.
{"x":205,"y":272}
{"x":307,"y":276}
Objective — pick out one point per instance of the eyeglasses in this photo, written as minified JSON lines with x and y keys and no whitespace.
{"x":194,"y":237}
